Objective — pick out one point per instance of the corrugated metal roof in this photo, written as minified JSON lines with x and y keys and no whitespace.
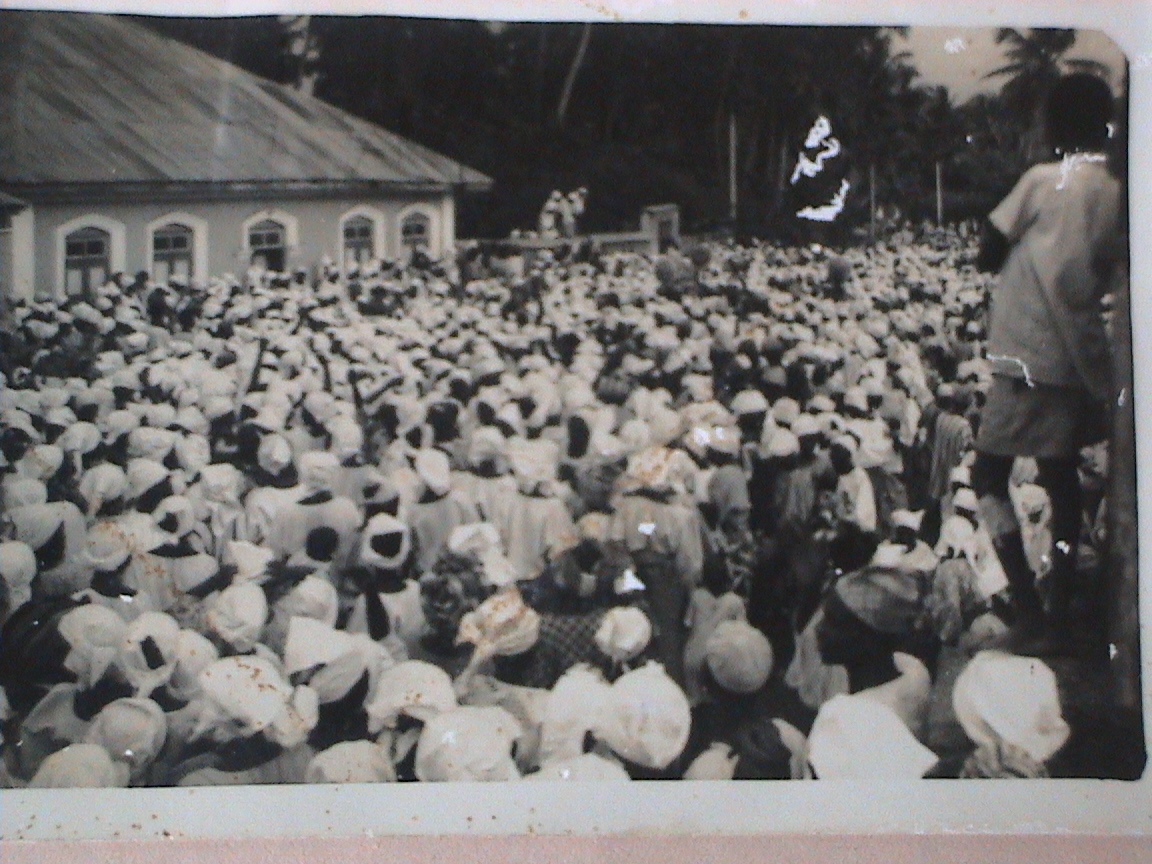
{"x":88,"y":98}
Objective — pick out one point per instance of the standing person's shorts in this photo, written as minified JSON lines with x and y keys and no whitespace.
{"x":1041,"y":420}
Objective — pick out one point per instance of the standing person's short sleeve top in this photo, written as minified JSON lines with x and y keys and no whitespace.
{"x":1045,"y":323}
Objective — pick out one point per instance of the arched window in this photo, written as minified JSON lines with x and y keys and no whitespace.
{"x":416,"y":230}
{"x":266,"y":241}
{"x":87,"y":260}
{"x":172,"y":246}
{"x":359,"y":243}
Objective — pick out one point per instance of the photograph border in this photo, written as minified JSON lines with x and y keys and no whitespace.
{"x":1029,"y":807}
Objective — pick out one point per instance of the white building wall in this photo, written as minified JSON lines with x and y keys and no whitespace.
{"x":313,"y":232}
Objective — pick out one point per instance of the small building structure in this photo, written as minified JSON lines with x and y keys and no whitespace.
{"x":122,"y":150}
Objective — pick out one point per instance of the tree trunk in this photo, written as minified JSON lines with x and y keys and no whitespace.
{"x":733,"y":202}
{"x":573,"y":71}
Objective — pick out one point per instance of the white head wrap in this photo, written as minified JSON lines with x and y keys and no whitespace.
{"x":132,"y":731}
{"x":623,"y":633}
{"x":857,"y":738}
{"x":468,"y":744}
{"x":95,"y":635}
{"x":351,"y":762}
{"x":413,"y":688}
{"x":238,"y":615}
{"x":1004,"y":698}
{"x":648,"y":718}
{"x":80,"y":766}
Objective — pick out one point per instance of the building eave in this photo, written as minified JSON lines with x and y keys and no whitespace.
{"x":129,"y":192}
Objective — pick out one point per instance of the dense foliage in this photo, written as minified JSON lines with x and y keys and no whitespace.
{"x":641,"y":114}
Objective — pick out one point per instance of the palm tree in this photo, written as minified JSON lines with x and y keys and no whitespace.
{"x":1035,"y":62}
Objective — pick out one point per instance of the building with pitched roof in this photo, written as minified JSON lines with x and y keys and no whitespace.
{"x":122,"y":150}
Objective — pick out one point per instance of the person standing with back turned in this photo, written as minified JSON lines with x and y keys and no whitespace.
{"x":1053,"y":241}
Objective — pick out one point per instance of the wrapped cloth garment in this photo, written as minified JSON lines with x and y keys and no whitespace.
{"x":814,"y":680}
{"x":575,"y":706}
{"x":534,"y":531}
{"x":56,"y":533}
{"x":308,"y":512}
{"x":491,"y":497}
{"x":247,"y":695}
{"x":705,"y":614}
{"x":405,"y":614}
{"x":433,"y":522}
{"x":665,"y":541}
{"x":219,"y":493}
{"x":412,"y":689}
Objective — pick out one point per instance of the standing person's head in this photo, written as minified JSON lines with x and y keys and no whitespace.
{"x":1077,"y":113}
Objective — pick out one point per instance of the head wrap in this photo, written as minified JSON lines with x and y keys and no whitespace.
{"x":739,"y":657}
{"x":221,"y":484}
{"x":132,"y":731}
{"x":319,"y":470}
{"x":237,"y":615}
{"x":338,"y":657}
{"x":749,"y":402}
{"x":23,"y":491}
{"x":503,"y":625}
{"x":313,"y":597}
{"x":468,"y":744}
{"x":103,"y":483}
{"x":380,"y":526}
{"x":534,"y":463}
{"x":783,"y":444}
{"x":194,"y":654}
{"x":857,"y":738}
{"x":965,"y":499}
{"x":414,"y":689}
{"x":481,"y":540}
{"x":487,"y":444}
{"x":251,"y":561}
{"x":648,"y":718}
{"x":624,"y":632}
{"x":435,"y":471}
{"x":718,"y":762}
{"x":17,"y":569}
{"x":351,"y":762}
{"x":41,"y":462}
{"x":650,"y":470}
{"x":193,"y":452}
{"x":95,"y":635}
{"x":587,"y":767}
{"x":575,"y":706}
{"x":139,"y":665}
{"x":80,"y":766}
{"x":250,"y":691}
{"x":1002,"y":698}
{"x":274,"y":454}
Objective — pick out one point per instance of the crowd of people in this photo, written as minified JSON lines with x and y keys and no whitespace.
{"x":703,"y":516}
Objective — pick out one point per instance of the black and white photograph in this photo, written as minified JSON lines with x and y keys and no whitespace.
{"x":396,"y":400}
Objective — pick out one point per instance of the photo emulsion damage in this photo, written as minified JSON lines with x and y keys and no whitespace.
{"x":391,"y":400}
